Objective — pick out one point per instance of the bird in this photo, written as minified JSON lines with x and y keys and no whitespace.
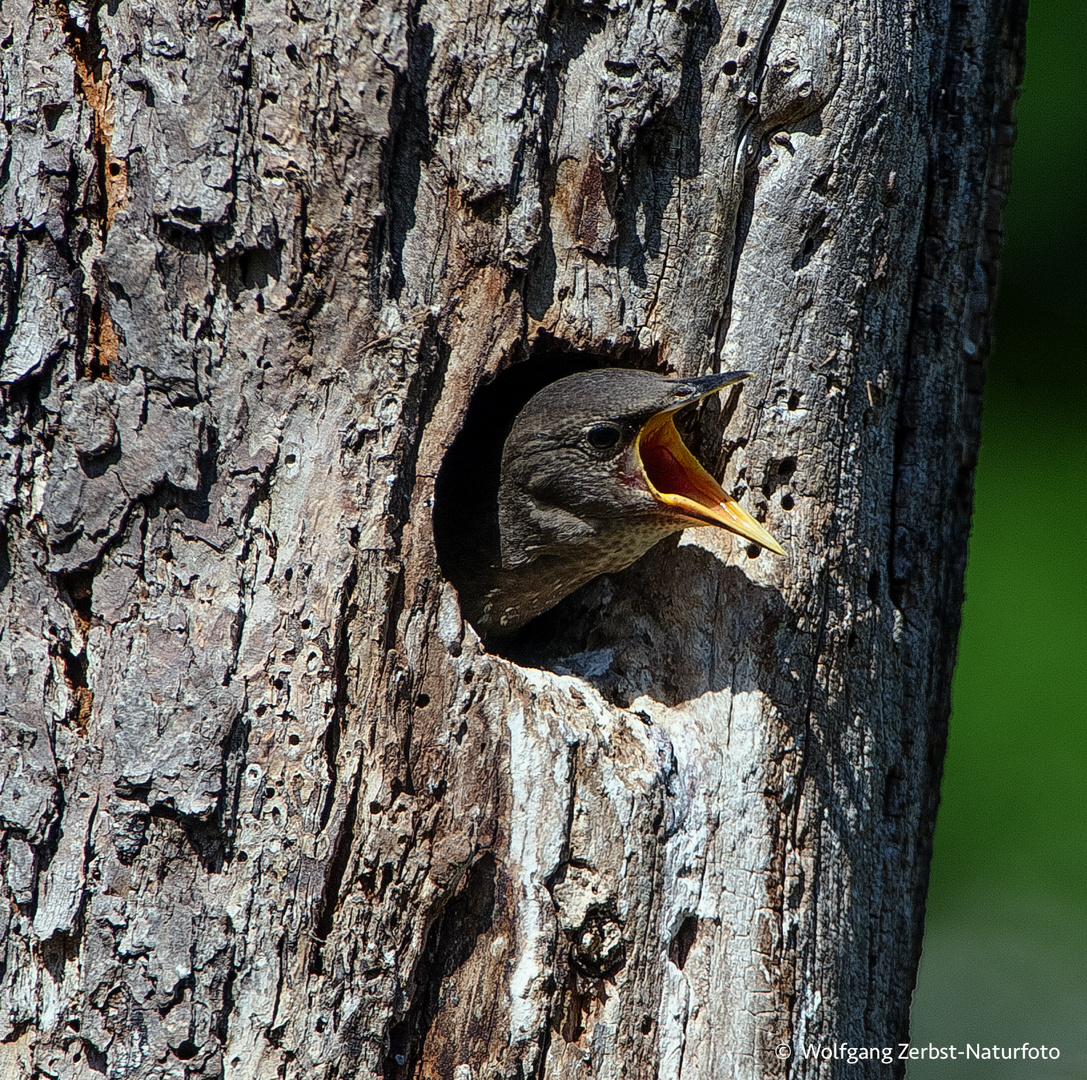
{"x":593,"y":474}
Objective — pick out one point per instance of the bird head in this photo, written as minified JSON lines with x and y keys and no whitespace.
{"x":594,"y":467}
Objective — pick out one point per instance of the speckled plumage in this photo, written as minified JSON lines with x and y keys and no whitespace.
{"x":569,"y":510}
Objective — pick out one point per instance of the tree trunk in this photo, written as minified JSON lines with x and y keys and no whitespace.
{"x":270,"y":808}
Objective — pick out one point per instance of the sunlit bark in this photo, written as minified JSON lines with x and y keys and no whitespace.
{"x":269,"y":807}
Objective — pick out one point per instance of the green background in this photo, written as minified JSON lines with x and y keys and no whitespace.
{"x":1005,"y":957}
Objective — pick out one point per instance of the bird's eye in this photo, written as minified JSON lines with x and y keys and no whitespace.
{"x":603,"y":436}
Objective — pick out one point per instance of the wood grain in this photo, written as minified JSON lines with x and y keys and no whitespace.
{"x":269,"y":809}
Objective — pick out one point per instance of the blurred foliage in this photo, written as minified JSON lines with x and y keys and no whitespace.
{"x":1040,"y":353}
{"x":1006,"y":941}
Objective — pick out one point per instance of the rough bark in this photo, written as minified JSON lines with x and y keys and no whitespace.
{"x":269,"y":808}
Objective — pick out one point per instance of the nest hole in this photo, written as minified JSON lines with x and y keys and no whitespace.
{"x":466,"y":489}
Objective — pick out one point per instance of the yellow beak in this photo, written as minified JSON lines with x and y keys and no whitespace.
{"x":677,"y":480}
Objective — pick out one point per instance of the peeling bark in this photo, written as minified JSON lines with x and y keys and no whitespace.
{"x":268,"y":807}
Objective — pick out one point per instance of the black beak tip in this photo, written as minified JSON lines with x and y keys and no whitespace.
{"x":704,"y":385}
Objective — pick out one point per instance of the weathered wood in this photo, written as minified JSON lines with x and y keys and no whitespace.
{"x":269,"y":808}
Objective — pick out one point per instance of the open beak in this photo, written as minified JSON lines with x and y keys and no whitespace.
{"x":677,"y":480}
